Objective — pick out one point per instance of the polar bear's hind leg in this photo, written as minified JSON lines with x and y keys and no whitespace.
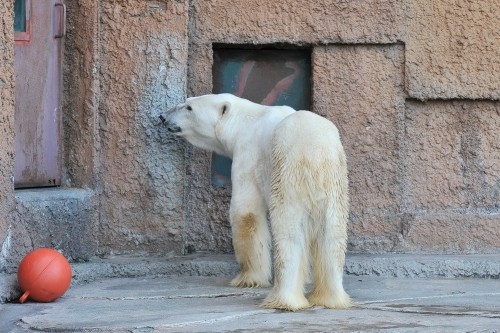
{"x":330,"y":242}
{"x":291,"y":260}
{"x":251,"y":242}
{"x":328,"y":253}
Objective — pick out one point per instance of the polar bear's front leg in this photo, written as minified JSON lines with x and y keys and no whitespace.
{"x":251,"y":239}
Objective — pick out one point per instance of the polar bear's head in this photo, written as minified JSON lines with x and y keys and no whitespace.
{"x":198,"y":119}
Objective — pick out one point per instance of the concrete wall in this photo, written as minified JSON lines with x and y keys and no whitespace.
{"x":123,"y":176}
{"x":412,"y":86}
{"x":372,"y":63}
{"x":361,"y":89}
{"x":143,"y":69}
{"x":7,"y":130}
{"x":453,"y":49}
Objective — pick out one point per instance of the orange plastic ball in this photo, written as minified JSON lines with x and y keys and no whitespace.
{"x":43,"y":275}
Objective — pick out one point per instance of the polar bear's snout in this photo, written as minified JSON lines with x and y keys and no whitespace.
{"x":171,"y":127}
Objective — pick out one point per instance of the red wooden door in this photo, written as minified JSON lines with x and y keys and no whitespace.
{"x":39,"y":27}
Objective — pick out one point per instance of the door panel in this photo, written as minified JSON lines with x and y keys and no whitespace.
{"x":38,"y":70}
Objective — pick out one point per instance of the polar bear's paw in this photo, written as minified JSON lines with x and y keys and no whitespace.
{"x":340,"y":300}
{"x":246,"y":280}
{"x":288,"y":303}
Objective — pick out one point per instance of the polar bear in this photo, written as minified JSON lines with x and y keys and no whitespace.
{"x":288,"y":164}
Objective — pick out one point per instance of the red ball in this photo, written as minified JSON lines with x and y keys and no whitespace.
{"x":44,"y":275}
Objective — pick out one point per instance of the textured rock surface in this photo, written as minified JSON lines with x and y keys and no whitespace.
{"x":143,"y":68}
{"x":65,"y":220}
{"x":452,"y":176}
{"x":7,"y":131}
{"x":81,"y":95}
{"x":360,"y":89}
{"x":61,"y":219}
{"x":452,"y":232}
{"x":424,"y":175}
{"x":456,"y":164}
{"x":453,"y":49}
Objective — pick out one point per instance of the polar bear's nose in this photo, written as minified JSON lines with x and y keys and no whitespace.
{"x":174,"y":128}
{"x":170,"y":127}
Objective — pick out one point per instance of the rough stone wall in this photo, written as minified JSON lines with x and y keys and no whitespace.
{"x":81,"y":95}
{"x":413,"y":87}
{"x":361,"y":89}
{"x":414,"y":186}
{"x":452,"y":176}
{"x":453,"y":49}
{"x":300,"y":23}
{"x":143,"y":70}
{"x":7,"y":130}
{"x":63,"y":219}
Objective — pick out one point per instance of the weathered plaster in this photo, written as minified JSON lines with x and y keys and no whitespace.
{"x":361,"y":90}
{"x":453,"y":49}
{"x":423,"y":176}
{"x":7,"y":130}
{"x":81,"y":94}
{"x":143,"y":70}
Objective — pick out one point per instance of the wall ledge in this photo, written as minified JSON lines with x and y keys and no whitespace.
{"x":54,"y":193}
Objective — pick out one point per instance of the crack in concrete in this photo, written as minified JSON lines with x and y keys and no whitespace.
{"x":395,"y":305}
{"x":394,"y":300}
{"x":435,"y":310}
{"x":215,"y":320}
{"x":98,"y":298}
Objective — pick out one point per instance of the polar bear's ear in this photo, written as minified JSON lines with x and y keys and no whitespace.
{"x":225,"y":107}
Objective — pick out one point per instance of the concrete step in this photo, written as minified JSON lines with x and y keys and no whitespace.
{"x":206,"y":264}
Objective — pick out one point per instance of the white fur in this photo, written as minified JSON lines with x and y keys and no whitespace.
{"x":288,"y":163}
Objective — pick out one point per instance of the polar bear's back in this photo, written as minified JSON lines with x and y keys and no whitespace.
{"x":306,"y":133}
{"x":309,"y":164}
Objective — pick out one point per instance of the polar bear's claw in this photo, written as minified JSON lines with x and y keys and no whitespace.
{"x":246,"y":281}
{"x":339,"y":300}
{"x":289,"y":304}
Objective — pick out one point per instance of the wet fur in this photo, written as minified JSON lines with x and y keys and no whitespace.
{"x":292,"y":165}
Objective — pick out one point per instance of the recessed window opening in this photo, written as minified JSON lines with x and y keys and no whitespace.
{"x":265,"y":76}
{"x":22,"y":27}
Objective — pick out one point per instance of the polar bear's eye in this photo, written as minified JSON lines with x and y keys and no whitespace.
{"x":189,"y":108}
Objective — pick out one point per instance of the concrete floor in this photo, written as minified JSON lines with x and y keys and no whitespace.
{"x":152,"y":303}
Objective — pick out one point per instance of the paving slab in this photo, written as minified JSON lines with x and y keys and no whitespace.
{"x":208,"y":304}
{"x":207,"y":264}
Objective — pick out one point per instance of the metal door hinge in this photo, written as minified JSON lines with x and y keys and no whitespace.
{"x":60,"y":21}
